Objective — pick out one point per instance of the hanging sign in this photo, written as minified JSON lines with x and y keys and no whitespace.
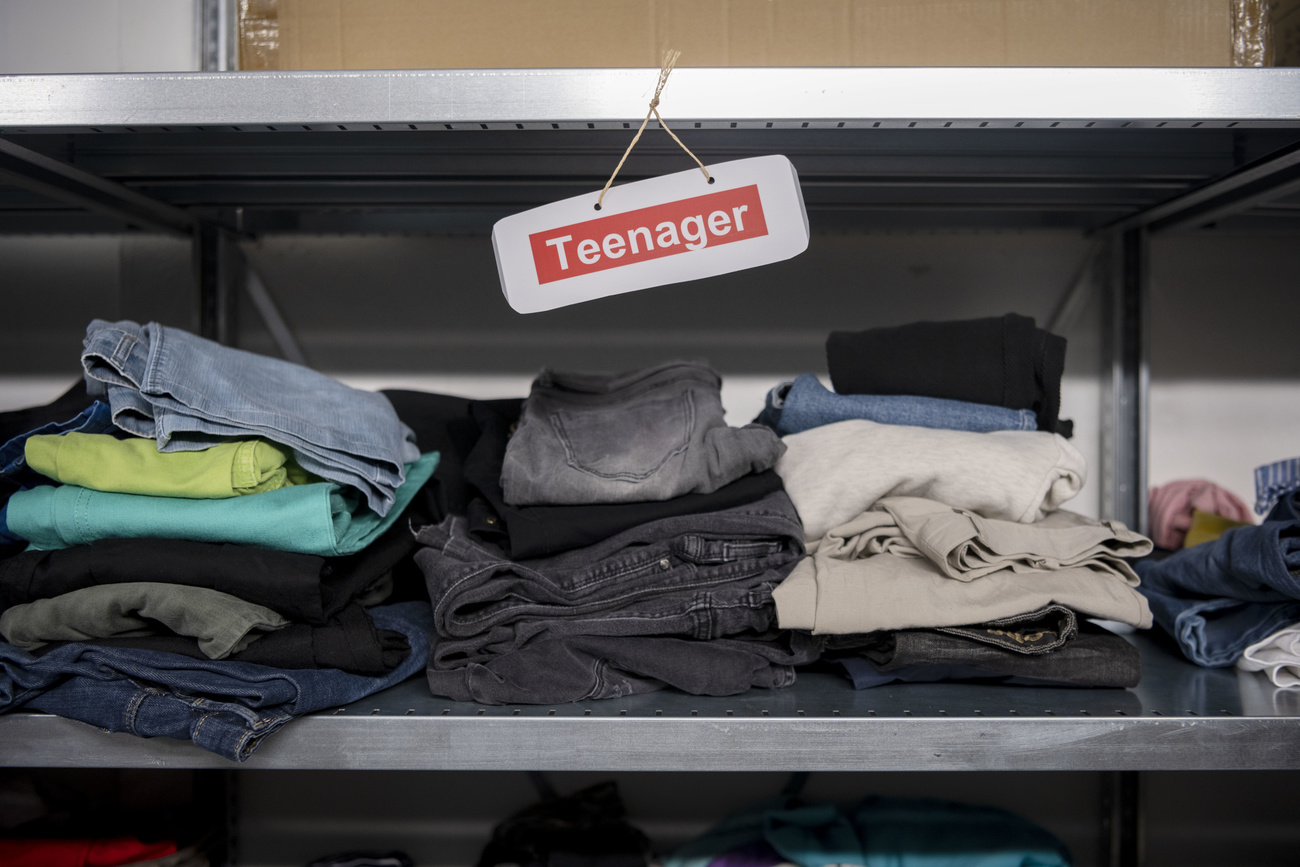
{"x":663,"y":230}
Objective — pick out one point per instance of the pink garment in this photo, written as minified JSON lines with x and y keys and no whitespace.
{"x":1170,"y":508}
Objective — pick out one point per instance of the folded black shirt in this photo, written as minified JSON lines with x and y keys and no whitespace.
{"x":1003,"y":361}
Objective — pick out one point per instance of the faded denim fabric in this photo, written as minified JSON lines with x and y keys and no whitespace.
{"x":1219,"y":597}
{"x":702,"y":584}
{"x":806,"y":403}
{"x":646,"y":435}
{"x":189,"y":393}
{"x":228,"y":708}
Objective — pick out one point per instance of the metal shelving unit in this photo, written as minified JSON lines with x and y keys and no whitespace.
{"x":1119,"y":153}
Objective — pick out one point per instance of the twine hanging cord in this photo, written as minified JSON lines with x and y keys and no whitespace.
{"x":670,"y":60}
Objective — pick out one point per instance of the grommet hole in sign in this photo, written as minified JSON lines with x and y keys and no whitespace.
{"x":654,"y":232}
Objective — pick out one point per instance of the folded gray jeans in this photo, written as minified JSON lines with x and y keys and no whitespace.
{"x":643,"y":436}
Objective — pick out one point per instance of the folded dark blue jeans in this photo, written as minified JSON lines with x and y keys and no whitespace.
{"x":228,"y":708}
{"x":1219,"y":597}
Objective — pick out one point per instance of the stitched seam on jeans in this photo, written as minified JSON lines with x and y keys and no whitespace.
{"x":132,"y":709}
{"x":502,"y":614}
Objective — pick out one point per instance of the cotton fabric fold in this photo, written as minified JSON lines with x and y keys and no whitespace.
{"x":324,"y":518}
{"x":847,"y":587}
{"x":221,"y":624}
{"x":135,"y":466}
{"x":838,"y":471}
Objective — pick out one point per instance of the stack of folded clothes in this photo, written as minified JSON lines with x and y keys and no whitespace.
{"x":224,"y":574}
{"x":617,"y":537}
{"x":938,"y":546}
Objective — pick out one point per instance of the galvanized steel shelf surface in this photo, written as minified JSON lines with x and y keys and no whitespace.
{"x":344,"y":100}
{"x":1180,"y":718}
{"x":455,"y":150}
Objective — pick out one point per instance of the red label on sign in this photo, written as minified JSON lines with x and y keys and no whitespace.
{"x":648,"y":233}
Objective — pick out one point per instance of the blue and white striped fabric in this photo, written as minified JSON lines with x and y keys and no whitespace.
{"x":1272,"y":481}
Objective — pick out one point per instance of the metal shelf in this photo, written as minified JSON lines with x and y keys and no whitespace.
{"x":520,"y":98}
{"x":1181,"y":717}
{"x":430,"y":150}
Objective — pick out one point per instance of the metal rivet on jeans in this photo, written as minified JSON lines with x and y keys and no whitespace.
{"x":664,"y":564}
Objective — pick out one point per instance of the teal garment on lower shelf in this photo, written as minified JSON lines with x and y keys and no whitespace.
{"x":325,"y":519}
{"x":877,"y":832}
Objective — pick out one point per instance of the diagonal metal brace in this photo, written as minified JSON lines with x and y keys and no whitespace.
{"x":40,"y":174}
{"x":1263,"y":180}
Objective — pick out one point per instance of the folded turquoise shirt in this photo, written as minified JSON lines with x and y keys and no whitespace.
{"x":325,"y":519}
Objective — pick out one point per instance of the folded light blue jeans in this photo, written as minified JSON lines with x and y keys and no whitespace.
{"x":228,"y":708}
{"x":189,"y":393}
{"x":807,"y":404}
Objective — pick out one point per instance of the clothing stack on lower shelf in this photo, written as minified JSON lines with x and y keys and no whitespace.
{"x":215,"y":580}
{"x":939,"y":550}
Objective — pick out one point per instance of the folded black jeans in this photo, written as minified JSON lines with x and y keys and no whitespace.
{"x":1093,"y":657}
{"x":696,"y":577}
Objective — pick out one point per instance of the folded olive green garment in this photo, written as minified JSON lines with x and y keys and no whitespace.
{"x":135,"y":466}
{"x":223,"y":624}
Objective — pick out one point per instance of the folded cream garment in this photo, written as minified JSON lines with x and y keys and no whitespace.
{"x":1278,"y":656}
{"x":836,"y":472}
{"x":869,"y":574}
{"x":966,"y":546}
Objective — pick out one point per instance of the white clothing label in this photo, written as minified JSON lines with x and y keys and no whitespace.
{"x":651,"y":233}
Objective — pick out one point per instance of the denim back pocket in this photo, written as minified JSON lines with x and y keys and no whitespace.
{"x":627,"y":442}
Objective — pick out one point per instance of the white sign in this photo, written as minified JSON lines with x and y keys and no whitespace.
{"x":651,"y":233}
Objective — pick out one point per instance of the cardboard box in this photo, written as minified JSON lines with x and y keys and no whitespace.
{"x":467,"y":34}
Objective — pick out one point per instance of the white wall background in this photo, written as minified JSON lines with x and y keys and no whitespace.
{"x":39,"y":36}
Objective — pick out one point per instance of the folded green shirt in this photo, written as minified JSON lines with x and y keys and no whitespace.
{"x":221,"y":623}
{"x":326,"y":519}
{"x":135,"y":466}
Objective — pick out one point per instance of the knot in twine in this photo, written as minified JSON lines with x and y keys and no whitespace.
{"x":665,"y":68}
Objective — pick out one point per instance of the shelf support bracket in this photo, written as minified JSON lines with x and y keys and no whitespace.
{"x":57,"y":180}
{"x":1125,"y":402}
{"x":1272,"y":177}
{"x":1121,"y":819}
